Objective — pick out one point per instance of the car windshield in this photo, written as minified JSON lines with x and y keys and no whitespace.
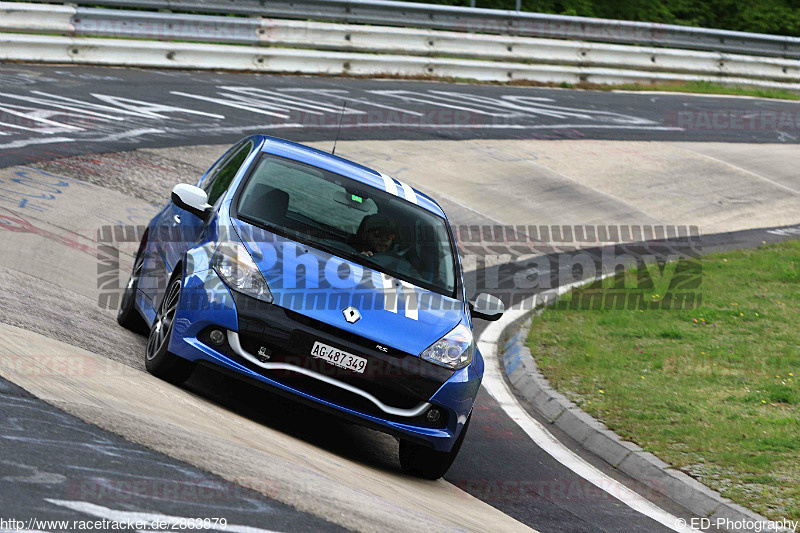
{"x":349,"y":219}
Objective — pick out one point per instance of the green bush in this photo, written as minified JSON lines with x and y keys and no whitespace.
{"x":780,"y":17}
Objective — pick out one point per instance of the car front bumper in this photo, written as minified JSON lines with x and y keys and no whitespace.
{"x":269,"y":346}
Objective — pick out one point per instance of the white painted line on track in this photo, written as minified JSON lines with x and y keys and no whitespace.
{"x":134,"y":516}
{"x":290,"y":102}
{"x":294,"y":125}
{"x":599,"y":192}
{"x":702,"y":95}
{"x":499,"y":390}
{"x":124,"y":135}
{"x":740,"y":169}
{"x":28,"y":142}
{"x":468,"y":208}
{"x":337,"y":93}
{"x":230,"y":103}
{"x":603,"y":127}
{"x":437,"y":100}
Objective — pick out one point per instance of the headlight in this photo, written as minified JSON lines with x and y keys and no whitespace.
{"x":237,"y":269}
{"x":454,"y":350}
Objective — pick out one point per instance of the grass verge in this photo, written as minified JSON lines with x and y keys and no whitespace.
{"x":700,"y":87}
{"x":714,"y":391}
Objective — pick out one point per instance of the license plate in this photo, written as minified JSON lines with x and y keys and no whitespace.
{"x":339,"y":358}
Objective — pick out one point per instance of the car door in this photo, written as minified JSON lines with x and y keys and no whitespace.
{"x":190,"y":229}
{"x":175,"y":229}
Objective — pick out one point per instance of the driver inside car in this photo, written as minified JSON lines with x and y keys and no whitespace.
{"x":375,"y":234}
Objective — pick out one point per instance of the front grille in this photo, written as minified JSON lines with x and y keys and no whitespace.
{"x":339,"y":333}
{"x":320,"y":389}
{"x":396,"y":379}
{"x":380,"y":379}
{"x":344,"y":398}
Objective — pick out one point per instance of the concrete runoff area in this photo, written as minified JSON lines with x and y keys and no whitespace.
{"x":51,"y":280}
{"x":52,"y":211}
{"x":53,"y":269}
{"x":718,"y":187}
{"x":57,"y":469}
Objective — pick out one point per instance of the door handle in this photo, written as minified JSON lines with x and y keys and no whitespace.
{"x":177,"y":219}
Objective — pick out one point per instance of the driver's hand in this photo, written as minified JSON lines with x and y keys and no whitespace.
{"x":368,"y":253}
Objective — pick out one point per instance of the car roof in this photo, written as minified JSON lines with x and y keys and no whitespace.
{"x":349,"y":169}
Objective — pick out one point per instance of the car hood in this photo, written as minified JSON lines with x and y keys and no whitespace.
{"x":322,"y":285}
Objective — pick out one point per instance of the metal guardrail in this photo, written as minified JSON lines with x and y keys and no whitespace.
{"x":478,"y":20}
{"x":155,"y":54}
{"x":66,"y":33}
{"x":263,"y":32}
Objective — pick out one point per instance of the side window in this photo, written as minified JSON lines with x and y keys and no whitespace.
{"x":209,"y":176}
{"x":220,"y":182}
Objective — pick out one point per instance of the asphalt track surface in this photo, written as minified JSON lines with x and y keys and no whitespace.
{"x":48,"y":112}
{"x":498,"y":464}
{"x":57,"y":467}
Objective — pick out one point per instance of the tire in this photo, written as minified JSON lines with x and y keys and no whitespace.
{"x":427,"y":463}
{"x":158,"y":360}
{"x":128,"y":316}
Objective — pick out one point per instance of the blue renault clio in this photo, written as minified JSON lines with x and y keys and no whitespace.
{"x":322,"y":280}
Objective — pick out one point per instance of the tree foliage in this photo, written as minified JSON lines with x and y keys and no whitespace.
{"x":779,"y":17}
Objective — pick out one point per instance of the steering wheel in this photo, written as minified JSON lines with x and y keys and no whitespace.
{"x":396,"y":262}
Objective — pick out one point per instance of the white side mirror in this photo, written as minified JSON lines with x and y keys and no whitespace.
{"x":487,"y":307}
{"x":191,"y":198}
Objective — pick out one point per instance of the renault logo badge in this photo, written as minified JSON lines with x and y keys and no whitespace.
{"x":264,"y":354}
{"x":352,"y":315}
